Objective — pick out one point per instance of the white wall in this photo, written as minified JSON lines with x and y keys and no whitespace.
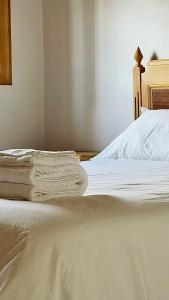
{"x":88,"y":57}
{"x":22,"y":104}
{"x":56,"y":57}
{"x":89,"y":47}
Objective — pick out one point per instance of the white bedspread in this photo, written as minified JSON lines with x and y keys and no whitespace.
{"x":91,"y":248}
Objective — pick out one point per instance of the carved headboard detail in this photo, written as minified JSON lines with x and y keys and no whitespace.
{"x":151,"y":84}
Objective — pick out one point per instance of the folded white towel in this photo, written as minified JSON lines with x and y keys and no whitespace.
{"x":40,"y":174}
{"x":30,"y":157}
{"x":45,"y":191}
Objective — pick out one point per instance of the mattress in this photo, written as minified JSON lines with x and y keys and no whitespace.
{"x":112,"y":243}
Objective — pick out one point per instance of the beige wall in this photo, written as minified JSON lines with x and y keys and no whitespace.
{"x":69,"y":73}
{"x":56,"y":57}
{"x":22,"y":104}
{"x":89,"y":46}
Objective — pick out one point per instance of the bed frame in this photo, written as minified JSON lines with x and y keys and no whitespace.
{"x":151,"y":84}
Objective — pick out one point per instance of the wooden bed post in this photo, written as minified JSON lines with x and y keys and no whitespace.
{"x":137,"y":82}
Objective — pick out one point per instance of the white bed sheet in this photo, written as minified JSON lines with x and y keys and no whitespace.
{"x":130,"y":180}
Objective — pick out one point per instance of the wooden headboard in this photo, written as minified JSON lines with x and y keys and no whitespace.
{"x":151,"y":84}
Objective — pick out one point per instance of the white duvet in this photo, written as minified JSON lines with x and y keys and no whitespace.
{"x":112,"y":246}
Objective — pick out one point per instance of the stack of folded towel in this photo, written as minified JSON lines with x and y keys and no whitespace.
{"x":40,"y":175}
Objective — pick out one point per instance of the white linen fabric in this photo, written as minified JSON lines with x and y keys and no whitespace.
{"x":97,"y":247}
{"x":45,"y":191}
{"x":36,"y":175}
{"x":40,"y":175}
{"x":130,"y":180}
{"x":31,"y":157}
{"x":147,"y":138}
{"x":143,"y":109}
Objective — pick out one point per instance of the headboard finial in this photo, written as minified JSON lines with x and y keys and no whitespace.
{"x":138,"y":56}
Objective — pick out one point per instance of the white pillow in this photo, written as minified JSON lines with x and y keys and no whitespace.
{"x":147,"y":138}
{"x":143,"y":109}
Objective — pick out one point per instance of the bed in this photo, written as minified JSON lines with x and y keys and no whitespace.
{"x":112,"y":243}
